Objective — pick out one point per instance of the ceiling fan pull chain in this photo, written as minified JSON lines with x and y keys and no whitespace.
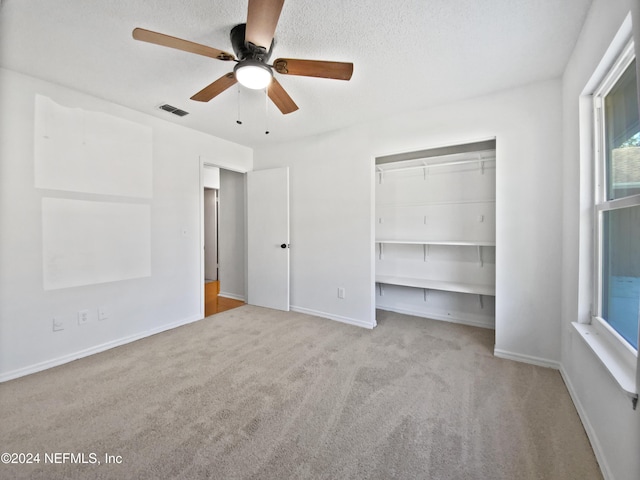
{"x":266,"y":111}
{"x":238,"y":121}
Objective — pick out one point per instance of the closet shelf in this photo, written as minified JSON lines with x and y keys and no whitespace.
{"x":426,"y":244}
{"x":463,"y":243}
{"x":436,"y":204}
{"x":459,"y":287}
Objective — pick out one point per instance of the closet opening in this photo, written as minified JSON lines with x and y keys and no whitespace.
{"x":436,"y":233}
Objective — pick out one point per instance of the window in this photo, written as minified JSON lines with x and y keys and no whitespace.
{"x":617,"y":202}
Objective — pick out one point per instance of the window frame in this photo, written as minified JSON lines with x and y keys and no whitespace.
{"x":618,"y":355}
{"x":600,"y":203}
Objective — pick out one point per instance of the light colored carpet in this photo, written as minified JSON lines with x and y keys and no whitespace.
{"x":257,"y":394}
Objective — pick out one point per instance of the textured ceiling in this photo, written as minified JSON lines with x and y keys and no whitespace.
{"x":407,"y":55}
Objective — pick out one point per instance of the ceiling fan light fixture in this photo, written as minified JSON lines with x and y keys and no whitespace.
{"x":253,"y":74}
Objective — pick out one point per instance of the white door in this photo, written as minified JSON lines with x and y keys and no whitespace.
{"x":268,"y":238}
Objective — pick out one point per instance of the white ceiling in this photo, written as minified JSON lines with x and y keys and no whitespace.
{"x":407,"y":55}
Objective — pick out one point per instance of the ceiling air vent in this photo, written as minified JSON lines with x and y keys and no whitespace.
{"x":176,"y":111}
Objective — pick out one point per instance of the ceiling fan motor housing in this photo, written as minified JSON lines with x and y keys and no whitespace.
{"x":247,"y":50}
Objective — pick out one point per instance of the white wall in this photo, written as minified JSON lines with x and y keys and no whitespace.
{"x":210,"y":176}
{"x":332,"y":190}
{"x":136,"y":307}
{"x":612,"y":425}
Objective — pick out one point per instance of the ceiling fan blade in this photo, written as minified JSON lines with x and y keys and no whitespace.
{"x":314,"y":68}
{"x":281,"y":98}
{"x":262,"y":20}
{"x":179,"y":44}
{"x":216,"y":88}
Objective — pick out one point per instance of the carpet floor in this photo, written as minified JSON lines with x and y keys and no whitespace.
{"x":253,"y":393}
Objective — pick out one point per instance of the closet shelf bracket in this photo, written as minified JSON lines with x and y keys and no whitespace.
{"x":481,"y":165}
{"x":480,"y":260}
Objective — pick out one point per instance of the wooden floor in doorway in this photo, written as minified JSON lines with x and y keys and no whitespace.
{"x":214,"y":303}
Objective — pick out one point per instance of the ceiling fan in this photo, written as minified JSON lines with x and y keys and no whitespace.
{"x":252,"y":43}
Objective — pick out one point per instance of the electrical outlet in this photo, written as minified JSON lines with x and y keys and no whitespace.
{"x":102,"y":313}
{"x":83,"y":317}
{"x":58,"y":324}
{"x":341,"y":292}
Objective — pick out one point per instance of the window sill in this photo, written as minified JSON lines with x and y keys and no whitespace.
{"x":621,"y":368}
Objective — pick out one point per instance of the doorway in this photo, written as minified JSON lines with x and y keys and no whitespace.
{"x":222,"y":262}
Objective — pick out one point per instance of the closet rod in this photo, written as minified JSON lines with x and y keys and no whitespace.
{"x":438,"y":164}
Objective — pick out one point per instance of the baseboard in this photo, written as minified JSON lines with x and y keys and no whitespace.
{"x":337,"y":318}
{"x":233,"y":296}
{"x":435,"y":316}
{"x":38,"y":367}
{"x":591,"y":433}
{"x":519,"y":357}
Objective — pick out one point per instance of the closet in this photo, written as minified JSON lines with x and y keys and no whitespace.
{"x":435,"y":233}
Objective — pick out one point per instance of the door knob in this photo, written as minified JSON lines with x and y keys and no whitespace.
{"x":284,"y":245}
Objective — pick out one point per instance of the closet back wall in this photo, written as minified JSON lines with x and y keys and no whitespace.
{"x":435,"y":235}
